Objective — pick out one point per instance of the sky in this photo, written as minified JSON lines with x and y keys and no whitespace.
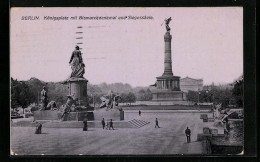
{"x":207,"y":43}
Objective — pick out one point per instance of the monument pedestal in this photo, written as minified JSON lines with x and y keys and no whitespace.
{"x":79,"y":116}
{"x":167,"y":95}
{"x":56,"y":115}
{"x":113,"y":114}
{"x":78,"y":89}
{"x":167,"y":89}
{"x":46,"y":115}
{"x":167,"y":85}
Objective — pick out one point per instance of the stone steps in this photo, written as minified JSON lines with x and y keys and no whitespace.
{"x":138,"y":123}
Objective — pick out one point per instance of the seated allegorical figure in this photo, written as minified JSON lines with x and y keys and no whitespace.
{"x":109,"y":101}
{"x":67,"y":107}
{"x":51,"y":106}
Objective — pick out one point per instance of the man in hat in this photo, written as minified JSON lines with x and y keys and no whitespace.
{"x":111,"y":124}
{"x":85,"y":122}
{"x":156,"y":123}
{"x":103,"y":123}
{"x":44,"y":98}
{"x":188,"y":132}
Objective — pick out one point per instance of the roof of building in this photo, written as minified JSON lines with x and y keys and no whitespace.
{"x":191,"y":78}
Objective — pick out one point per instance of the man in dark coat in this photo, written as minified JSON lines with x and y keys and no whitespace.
{"x":85,"y":127}
{"x":188,"y":132}
{"x":156,"y":123}
{"x":139,"y":113}
{"x":103,"y":123}
{"x":111,"y":124}
{"x":38,"y":128}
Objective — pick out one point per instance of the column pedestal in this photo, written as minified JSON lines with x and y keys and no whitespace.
{"x":168,"y":85}
{"x":78,"y":89}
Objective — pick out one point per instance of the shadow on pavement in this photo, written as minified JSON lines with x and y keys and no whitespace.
{"x":89,"y":130}
{"x":44,"y":133}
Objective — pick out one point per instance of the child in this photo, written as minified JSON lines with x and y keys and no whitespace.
{"x":107,"y":124}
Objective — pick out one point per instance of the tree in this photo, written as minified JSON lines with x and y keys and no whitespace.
{"x":192,"y":96}
{"x":238,"y":92}
{"x":128,"y":97}
{"x":131,"y":98}
{"x":14,"y":93}
{"x":148,"y":95}
{"x":20,"y":94}
{"x":35,"y":85}
{"x":123,"y":98}
{"x":143,"y":95}
{"x":223,"y":96}
{"x":217,"y":95}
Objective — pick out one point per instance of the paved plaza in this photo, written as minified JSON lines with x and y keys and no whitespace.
{"x":147,"y":140}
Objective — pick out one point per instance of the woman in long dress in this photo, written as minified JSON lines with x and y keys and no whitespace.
{"x":76,"y":63}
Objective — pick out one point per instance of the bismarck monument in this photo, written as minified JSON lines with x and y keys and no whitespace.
{"x":76,"y":107}
{"x":167,"y":85}
{"x":77,"y":84}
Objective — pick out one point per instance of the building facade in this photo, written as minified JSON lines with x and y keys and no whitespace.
{"x":190,"y":84}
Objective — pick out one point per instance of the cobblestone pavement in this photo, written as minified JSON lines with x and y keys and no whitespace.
{"x":169,"y":139}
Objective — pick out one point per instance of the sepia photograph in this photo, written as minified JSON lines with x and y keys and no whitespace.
{"x":126,"y":81}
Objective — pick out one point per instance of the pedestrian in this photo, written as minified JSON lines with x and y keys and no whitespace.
{"x":139,"y":113}
{"x":228,"y":127}
{"x":38,"y":128}
{"x":156,"y":123}
{"x":188,"y":132}
{"x":107,"y":124}
{"x":85,"y":127}
{"x":111,"y":124}
{"x":103,"y":123}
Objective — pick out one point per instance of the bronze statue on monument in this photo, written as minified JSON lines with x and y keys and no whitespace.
{"x":76,"y":63}
{"x":167,"y":21}
{"x":44,"y":98}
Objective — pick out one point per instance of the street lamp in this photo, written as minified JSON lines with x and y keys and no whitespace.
{"x":199,"y":100}
{"x":199,"y":96}
{"x":213,"y":104}
{"x":94,"y":101}
{"x":207,"y":91}
{"x":38,"y":94}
